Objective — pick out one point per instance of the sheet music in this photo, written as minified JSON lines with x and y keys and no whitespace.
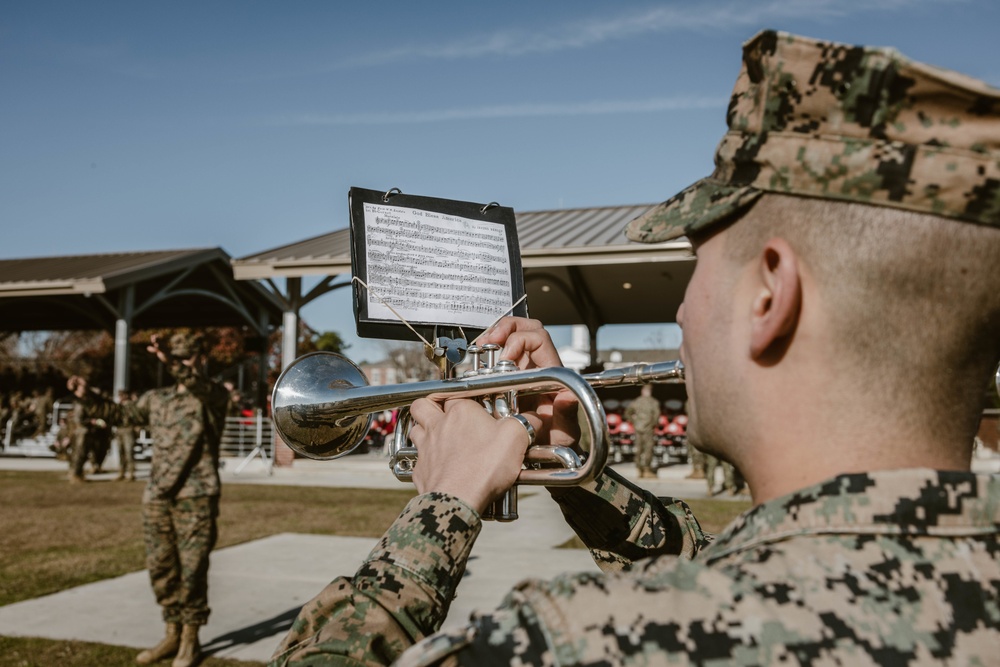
{"x":436,"y":268}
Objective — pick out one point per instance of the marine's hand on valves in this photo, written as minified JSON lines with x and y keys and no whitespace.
{"x":464,"y":451}
{"x":529,"y":345}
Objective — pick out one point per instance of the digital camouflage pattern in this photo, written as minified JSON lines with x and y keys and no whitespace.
{"x":883,"y":568}
{"x":180,"y":501}
{"x":400,"y":594}
{"x":643,"y":413}
{"x":126,"y":437}
{"x":404,"y":589}
{"x":76,"y":424}
{"x":732,"y":480}
{"x":898,"y":567}
{"x":179,"y":535}
{"x":184,"y":345}
{"x":621,"y":523}
{"x":186,"y":428}
{"x":851,"y":123}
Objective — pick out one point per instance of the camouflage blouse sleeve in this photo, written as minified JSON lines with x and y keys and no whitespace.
{"x":621,"y":523}
{"x":399,"y":595}
{"x":96,"y":406}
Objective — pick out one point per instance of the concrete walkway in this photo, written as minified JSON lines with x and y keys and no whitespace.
{"x":256,"y":589}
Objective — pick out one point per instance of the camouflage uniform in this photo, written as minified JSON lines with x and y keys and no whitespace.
{"x":43,"y":409}
{"x":125,"y":436}
{"x":181,"y":500}
{"x":732,"y":480}
{"x":697,"y":460}
{"x":79,"y":442}
{"x":916,"y":550}
{"x":711,"y":465}
{"x":695,"y":457}
{"x":98,"y":443}
{"x":643,"y":413}
{"x":850,"y":123}
{"x":888,"y":567}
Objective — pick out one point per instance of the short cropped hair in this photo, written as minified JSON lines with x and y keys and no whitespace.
{"x":915,"y":298}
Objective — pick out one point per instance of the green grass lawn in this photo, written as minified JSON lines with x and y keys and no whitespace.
{"x":31,"y":652}
{"x":57,"y":536}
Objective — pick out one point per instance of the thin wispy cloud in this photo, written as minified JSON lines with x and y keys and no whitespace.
{"x":734,"y":15}
{"x":690,"y":17}
{"x":593,"y":108}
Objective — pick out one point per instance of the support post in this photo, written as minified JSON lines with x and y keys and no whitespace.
{"x":283,"y":455}
{"x":121,"y":356}
{"x":289,"y":338}
{"x":592,"y":330}
{"x":123,"y":329}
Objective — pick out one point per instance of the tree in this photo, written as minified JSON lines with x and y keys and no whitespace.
{"x":8,"y":348}
{"x":89,"y":353}
{"x":233,"y":355}
{"x":328,"y":341}
{"x":409,"y":360}
{"x":38,"y":360}
{"x":309,"y":339}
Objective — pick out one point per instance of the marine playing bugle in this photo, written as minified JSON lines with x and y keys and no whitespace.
{"x":322,"y":407}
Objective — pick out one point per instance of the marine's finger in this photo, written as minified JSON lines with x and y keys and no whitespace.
{"x":531,"y":349}
{"x":425,"y":411}
{"x":499,"y":332}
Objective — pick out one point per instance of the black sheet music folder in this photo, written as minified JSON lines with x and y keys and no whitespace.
{"x":447,"y":267}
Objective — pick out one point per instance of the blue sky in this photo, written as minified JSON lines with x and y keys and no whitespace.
{"x":154,"y":125}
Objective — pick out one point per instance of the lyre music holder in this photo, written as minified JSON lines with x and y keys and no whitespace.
{"x":437,"y":270}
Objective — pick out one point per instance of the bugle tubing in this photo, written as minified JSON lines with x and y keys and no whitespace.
{"x":322,"y":406}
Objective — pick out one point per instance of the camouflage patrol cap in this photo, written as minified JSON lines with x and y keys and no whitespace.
{"x":851,"y":123}
{"x":186,"y":345}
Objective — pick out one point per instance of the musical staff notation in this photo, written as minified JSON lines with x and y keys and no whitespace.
{"x":434,"y":267}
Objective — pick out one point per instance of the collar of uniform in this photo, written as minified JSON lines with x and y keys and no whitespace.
{"x":893,"y":502}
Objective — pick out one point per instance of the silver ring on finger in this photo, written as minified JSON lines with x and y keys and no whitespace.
{"x":528,"y":428}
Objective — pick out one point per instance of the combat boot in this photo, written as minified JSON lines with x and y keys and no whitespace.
{"x":189,"y":652}
{"x":166,"y":648}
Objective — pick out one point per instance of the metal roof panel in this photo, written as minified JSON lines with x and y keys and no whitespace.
{"x":595,"y":229}
{"x":75,"y":268}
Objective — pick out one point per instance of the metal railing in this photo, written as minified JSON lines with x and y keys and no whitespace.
{"x":244,"y":434}
{"x":243,"y":437}
{"x":249,"y":438}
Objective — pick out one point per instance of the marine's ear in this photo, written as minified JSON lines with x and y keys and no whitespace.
{"x":777,"y":302}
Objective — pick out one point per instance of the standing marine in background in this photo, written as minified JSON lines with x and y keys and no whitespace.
{"x":125,"y":432}
{"x":78,"y":442}
{"x":643,"y":414}
{"x":42,"y":406}
{"x":732,"y":479}
{"x":181,"y":501}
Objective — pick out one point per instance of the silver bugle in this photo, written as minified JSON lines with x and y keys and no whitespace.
{"x":322,"y":404}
